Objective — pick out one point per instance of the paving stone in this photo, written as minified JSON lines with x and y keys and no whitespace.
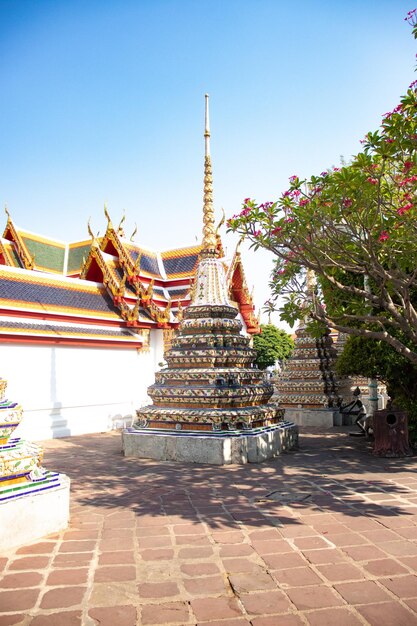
{"x":24,"y":579}
{"x":340,"y":571}
{"x":30,"y":563}
{"x":157,"y":555}
{"x":12,"y":620}
{"x":365,"y":552}
{"x":199,"y":569}
{"x":400,"y":548}
{"x":363,"y":592}
{"x":403,"y":586}
{"x":67,"y":577}
{"x":206,"y":609}
{"x":155,"y":542}
{"x":62,"y":597}
{"x":158,"y":590}
{"x":328,"y":555}
{"x":18,"y":600}
{"x":114,"y":594}
{"x":195,"y":553}
{"x":234,"y":536}
{"x":164,"y":613}
{"x":116,"y":558}
{"x":233,"y":566}
{"x":330,"y":617}
{"x":77,"y":546}
{"x":292,"y":531}
{"x":114,"y":573}
{"x":235,"y":550}
{"x":244,"y":582}
{"x":152,"y":531}
{"x":73,"y":559}
{"x":384,"y":567}
{"x":207,"y":585}
{"x":43,"y":547}
{"x":296,"y":577}
{"x":386,"y":614}
{"x":230,"y":622}
{"x":111,"y":616}
{"x":311,"y":543}
{"x":277,"y":546}
{"x":278,"y":620}
{"x":313,"y":597}
{"x":284,"y":561}
{"x":347,"y":539}
{"x":192,"y":540}
{"x":64,"y":618}
{"x":261,"y":603}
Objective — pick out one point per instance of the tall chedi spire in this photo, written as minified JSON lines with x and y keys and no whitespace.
{"x":209,"y":232}
{"x":210,"y":404}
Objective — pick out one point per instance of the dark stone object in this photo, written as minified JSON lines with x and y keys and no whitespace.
{"x":390,"y":428}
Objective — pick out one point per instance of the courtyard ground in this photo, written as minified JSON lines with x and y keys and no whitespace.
{"x":325,"y":536}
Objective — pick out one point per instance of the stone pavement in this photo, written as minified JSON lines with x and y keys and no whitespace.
{"x":324,"y":536}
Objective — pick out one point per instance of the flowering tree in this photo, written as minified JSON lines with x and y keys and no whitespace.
{"x":355,"y":227}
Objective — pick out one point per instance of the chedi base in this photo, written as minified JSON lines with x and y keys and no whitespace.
{"x":220,"y":448}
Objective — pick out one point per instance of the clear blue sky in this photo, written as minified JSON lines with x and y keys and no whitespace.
{"x":103,"y":100}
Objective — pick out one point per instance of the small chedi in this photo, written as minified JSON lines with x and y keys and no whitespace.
{"x":24,"y":514}
{"x":210,"y":394}
{"x":307,"y":387}
{"x":308,"y":379}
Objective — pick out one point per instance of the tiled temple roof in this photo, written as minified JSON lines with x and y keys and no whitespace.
{"x":60,"y":331}
{"x":41,"y":292}
{"x":138,"y":285}
{"x":47,"y":254}
{"x":181,"y":262}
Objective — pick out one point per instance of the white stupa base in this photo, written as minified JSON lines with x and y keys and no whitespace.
{"x":31,"y":511}
{"x":238,"y":447}
{"x":323,"y":418}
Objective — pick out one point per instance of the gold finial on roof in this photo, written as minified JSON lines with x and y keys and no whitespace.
{"x":90,"y":232}
{"x":209,"y":231}
{"x":106,"y":213}
{"x":120,"y":230}
{"x":6,"y":210}
{"x":134,"y":232}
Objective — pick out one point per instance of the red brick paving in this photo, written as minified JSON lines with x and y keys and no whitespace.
{"x":168,"y":544}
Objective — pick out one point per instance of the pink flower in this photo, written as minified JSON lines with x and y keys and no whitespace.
{"x":336,"y":169}
{"x":293,"y":178}
{"x":256,"y":233}
{"x":289,"y":220}
{"x":324,"y":173}
{"x":347,"y":202}
{"x":276,"y":230}
{"x":296,"y":193}
{"x":246,"y":200}
{"x":373,"y":181}
{"x":384,"y":236}
{"x":389,"y":140}
{"x":408,"y":164}
{"x":404,"y":209}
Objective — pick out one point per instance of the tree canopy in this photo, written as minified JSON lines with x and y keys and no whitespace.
{"x":272,"y":344}
{"x":355,"y":227}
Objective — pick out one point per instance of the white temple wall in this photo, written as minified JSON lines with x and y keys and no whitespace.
{"x":67,"y":390}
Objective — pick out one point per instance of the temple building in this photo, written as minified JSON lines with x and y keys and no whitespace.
{"x":84,"y":325}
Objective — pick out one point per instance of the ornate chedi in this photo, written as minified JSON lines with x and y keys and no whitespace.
{"x":307,"y":381}
{"x":23,"y":516}
{"x":210,"y":383}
